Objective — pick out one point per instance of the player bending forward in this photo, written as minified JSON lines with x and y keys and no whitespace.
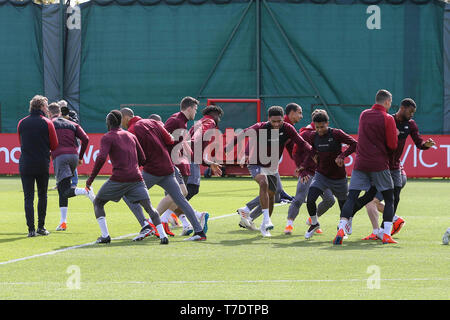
{"x":126,"y":156}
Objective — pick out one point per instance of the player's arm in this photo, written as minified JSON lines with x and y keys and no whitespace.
{"x":302,"y":146}
{"x":53,"y":138}
{"x":105,"y":147}
{"x":298,"y":140}
{"x":290,"y":148}
{"x":417,"y":138}
{"x":167,"y":137}
{"x":240,"y":136}
{"x":213,"y":140}
{"x":344,"y":138}
{"x":84,"y":138}
{"x":170,"y":125}
{"x":391,"y":132}
{"x":242,"y":157}
{"x":18,"y":132}
{"x":304,"y":162}
{"x":140,"y":152}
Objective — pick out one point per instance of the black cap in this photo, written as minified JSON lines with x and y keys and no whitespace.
{"x":65,"y":111}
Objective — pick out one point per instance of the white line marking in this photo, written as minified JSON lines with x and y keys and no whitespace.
{"x":92,"y":243}
{"x":224,"y":281}
{"x":60,"y":250}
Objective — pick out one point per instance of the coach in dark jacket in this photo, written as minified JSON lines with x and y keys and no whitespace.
{"x":37,"y":136}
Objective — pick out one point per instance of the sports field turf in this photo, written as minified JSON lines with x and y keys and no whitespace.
{"x":233,"y":263}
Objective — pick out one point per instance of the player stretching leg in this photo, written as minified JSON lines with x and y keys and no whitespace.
{"x":266,"y":145}
{"x":377,"y":136}
{"x":66,"y":159}
{"x":330,"y":170}
{"x":126,"y":156}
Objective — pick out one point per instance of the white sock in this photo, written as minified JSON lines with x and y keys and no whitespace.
{"x":63,"y":214}
{"x":395,"y":218}
{"x":166,"y":215}
{"x":245,"y":209}
{"x":80,"y":191}
{"x":198,"y":214}
{"x":375,"y":231}
{"x":103,"y":227}
{"x":387,"y":228}
{"x":162,"y":233}
{"x":184,"y":221}
{"x":314,"y":219}
{"x":342,"y":223}
{"x":380,"y":233}
{"x":290,"y":222}
{"x":266,"y":216}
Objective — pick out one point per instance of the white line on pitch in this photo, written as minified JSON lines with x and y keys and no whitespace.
{"x":223,"y":281}
{"x":92,"y":243}
{"x":59,"y":250}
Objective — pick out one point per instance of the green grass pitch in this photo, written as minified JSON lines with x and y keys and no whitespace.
{"x":233,"y":263}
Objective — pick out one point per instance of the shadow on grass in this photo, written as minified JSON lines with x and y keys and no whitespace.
{"x":20,"y":235}
{"x":128,"y":242}
{"x":24,"y":235}
{"x":328,"y":245}
{"x":281,"y":240}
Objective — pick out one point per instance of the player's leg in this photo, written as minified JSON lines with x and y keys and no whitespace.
{"x":168,"y":207}
{"x":170,"y":184}
{"x":63,"y":186}
{"x":399,"y":182}
{"x":257,"y":211}
{"x":294,"y":208}
{"x":372,"y":212}
{"x":193,"y":181}
{"x":167,"y":203}
{"x":136,"y":208}
{"x":249,"y":206}
{"x":388,"y":215}
{"x":193,"y":190}
{"x":28,"y":193}
{"x":263,"y":184}
{"x":66,"y":191}
{"x":359,"y":181}
{"x":281,"y":193}
{"x":272,"y":200}
{"x":273,"y":190}
{"x":326,"y":203}
{"x":268,"y":186}
{"x":174,"y":208}
{"x":100,"y":215}
{"x":187,"y":228}
{"x":339,"y":189}
{"x":365,"y":199}
{"x":74,"y":181}
{"x":323,"y":206}
{"x":137,"y":211}
{"x":446,"y":236}
{"x":313,"y":194}
{"x":397,"y":191}
{"x":42,"y":188}
{"x":384,"y":183}
{"x":146,"y":204}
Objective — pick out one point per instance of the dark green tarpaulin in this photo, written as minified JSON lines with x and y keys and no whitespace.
{"x":21,"y":65}
{"x":320,"y":54}
{"x":132,"y":53}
